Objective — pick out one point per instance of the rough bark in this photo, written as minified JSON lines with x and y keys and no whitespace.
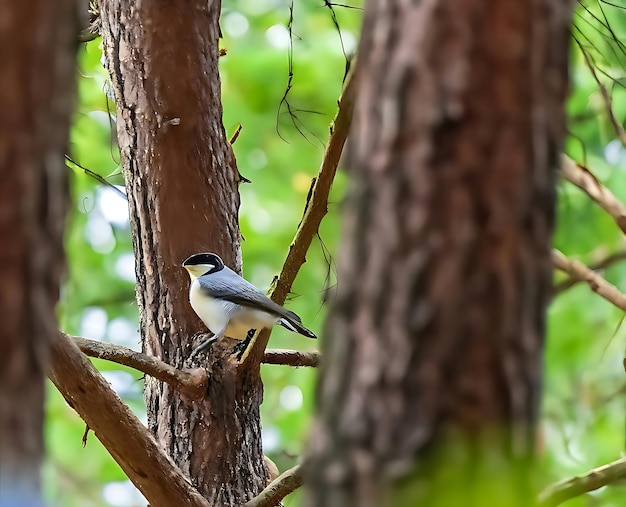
{"x":37,"y":54}
{"x":120,"y":431}
{"x":432,"y":359}
{"x":182,"y":182}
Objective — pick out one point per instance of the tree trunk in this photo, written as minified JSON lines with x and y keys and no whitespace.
{"x":37,"y":55}
{"x":431,"y":380}
{"x":182,"y":181}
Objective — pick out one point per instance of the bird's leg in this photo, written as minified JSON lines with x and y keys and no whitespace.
{"x":241,"y":347}
{"x":206,"y":344}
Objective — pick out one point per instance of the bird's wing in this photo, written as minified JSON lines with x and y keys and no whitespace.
{"x":229,"y":286}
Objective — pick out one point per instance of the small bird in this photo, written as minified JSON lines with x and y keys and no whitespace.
{"x":231,"y":306}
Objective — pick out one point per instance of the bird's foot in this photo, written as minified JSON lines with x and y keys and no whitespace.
{"x":241,"y":347}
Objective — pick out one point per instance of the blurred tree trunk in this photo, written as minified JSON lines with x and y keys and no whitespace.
{"x":37,"y":57}
{"x":182,"y":181}
{"x":430,"y":389}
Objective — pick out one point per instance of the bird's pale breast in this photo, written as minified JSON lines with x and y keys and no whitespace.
{"x":218,"y":314}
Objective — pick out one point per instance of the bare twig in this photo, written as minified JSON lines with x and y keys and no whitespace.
{"x":558,"y":493}
{"x":192,"y":383}
{"x":278,"y":489}
{"x":601,"y":264}
{"x":85,"y":435}
{"x":596,"y":282}
{"x":314,"y":211}
{"x":292,"y":358}
{"x":119,"y":430}
{"x":586,"y":181}
{"x":235,"y":135}
{"x":97,"y":177}
{"x":617,"y":126}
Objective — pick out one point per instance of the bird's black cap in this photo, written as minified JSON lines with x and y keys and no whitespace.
{"x":205,"y":258}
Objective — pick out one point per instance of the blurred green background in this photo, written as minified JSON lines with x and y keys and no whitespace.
{"x":584,"y":407}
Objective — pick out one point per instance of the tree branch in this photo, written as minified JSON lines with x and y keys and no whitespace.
{"x":278,"y":489}
{"x":119,"y":430}
{"x":315,"y":209}
{"x":601,"y":264}
{"x":294,"y":358}
{"x":580,"y":176}
{"x":597,"y":282}
{"x":192,"y":383}
{"x":558,"y":493}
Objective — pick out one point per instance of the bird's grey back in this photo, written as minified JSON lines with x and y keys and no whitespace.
{"x":228,"y":285}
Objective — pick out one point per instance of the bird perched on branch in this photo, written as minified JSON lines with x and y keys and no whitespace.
{"x":229,"y":305}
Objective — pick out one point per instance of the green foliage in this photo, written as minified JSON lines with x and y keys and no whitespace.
{"x":583,"y":424}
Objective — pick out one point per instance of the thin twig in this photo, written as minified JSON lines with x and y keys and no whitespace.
{"x":315,"y":210}
{"x":580,"y":176}
{"x":278,"y":489}
{"x":603,"y":263}
{"x":558,"y":493}
{"x":617,"y":126}
{"x":192,"y":383}
{"x":97,"y":177}
{"x":122,"y":434}
{"x":293,"y":358}
{"x":596,"y":282}
{"x":235,"y":135}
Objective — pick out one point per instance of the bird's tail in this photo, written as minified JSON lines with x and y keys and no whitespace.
{"x":294,"y":325}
